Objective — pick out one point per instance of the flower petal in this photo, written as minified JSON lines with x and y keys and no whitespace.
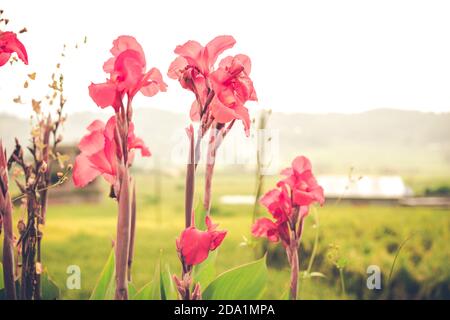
{"x":216,"y":46}
{"x":83,"y":171}
{"x":92,"y":142}
{"x":194,"y":245}
{"x":9,"y":44}
{"x":4,"y":58}
{"x":124,"y":43}
{"x":177,"y":67}
{"x":153,"y":83}
{"x":191,"y":51}
{"x":301,"y":164}
{"x":264,"y":227}
{"x":103,"y":94}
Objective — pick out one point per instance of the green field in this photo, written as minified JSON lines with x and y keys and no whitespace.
{"x":82,"y":234}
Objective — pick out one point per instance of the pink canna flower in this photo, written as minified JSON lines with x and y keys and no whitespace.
{"x":128,"y":75}
{"x":290,"y":201}
{"x":10,"y":44}
{"x":194,"y":245}
{"x":278,"y":202}
{"x":299,"y":177}
{"x":276,"y":230}
{"x":220,"y":93}
{"x":233,"y":88}
{"x":289,"y":205}
{"x":99,"y":153}
{"x":193,"y":66}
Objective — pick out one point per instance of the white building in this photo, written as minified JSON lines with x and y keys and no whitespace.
{"x":366,"y":187}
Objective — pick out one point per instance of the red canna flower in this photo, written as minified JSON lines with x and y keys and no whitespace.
{"x":233,"y":88}
{"x":10,"y":44}
{"x":99,"y":153}
{"x":194,"y":245}
{"x":128,"y":76}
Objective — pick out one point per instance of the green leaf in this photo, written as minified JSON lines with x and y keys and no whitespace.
{"x":152,"y":290}
{"x":2,"y":284}
{"x":49,"y":289}
{"x":205,"y":272}
{"x":285,"y":295}
{"x":246,"y":282}
{"x":168,"y":291}
{"x":104,"y":289}
{"x":131,"y":290}
{"x":145,"y":293}
{"x":200,"y":216}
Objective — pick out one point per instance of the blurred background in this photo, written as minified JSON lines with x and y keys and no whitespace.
{"x":361,"y":88}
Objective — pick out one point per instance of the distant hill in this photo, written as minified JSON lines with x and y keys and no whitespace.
{"x":382,"y":140}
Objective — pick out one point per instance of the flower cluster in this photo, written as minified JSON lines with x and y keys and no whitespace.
{"x":289,"y":202}
{"x":220,"y":93}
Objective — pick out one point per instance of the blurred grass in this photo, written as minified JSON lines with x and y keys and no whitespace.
{"x":82,"y":234}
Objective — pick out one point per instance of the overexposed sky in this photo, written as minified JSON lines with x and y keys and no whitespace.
{"x":308,"y":56}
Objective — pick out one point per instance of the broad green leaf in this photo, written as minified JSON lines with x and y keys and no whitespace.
{"x":246,"y":282}
{"x":205,"y":272}
{"x":168,"y":291}
{"x":152,"y":290}
{"x":49,"y":289}
{"x":147,"y":292}
{"x":104,"y":289}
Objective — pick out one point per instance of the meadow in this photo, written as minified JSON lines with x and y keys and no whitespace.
{"x":358,"y":236}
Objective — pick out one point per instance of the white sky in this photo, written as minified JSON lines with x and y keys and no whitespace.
{"x":308,"y":56}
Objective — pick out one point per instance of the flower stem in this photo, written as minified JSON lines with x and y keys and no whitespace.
{"x":210,"y":163}
{"x":123,"y":235}
{"x":190,"y":181}
{"x":8,"y":247}
{"x":294,"y":271}
{"x":132,"y":230}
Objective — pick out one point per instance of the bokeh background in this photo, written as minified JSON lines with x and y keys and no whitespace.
{"x":361,"y":88}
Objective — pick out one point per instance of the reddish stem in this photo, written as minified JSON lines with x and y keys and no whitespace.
{"x":8,"y":246}
{"x":190,"y":181}
{"x":123,"y":236}
{"x":293,"y":251}
{"x":132,"y":231}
